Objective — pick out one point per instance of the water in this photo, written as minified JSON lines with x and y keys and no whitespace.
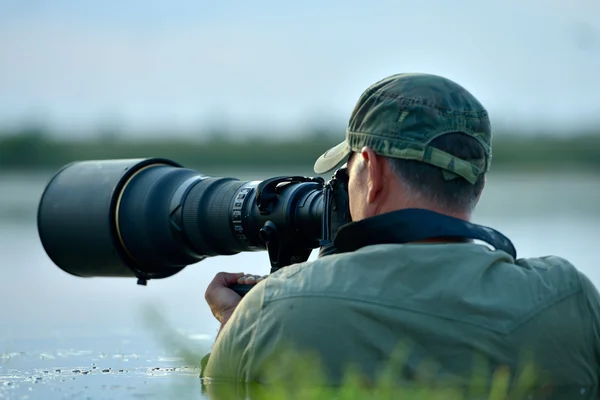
{"x":68,"y":337}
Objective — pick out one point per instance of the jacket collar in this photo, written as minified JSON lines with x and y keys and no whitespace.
{"x":413,"y":225}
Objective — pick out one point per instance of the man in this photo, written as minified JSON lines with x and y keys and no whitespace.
{"x":414,"y":141}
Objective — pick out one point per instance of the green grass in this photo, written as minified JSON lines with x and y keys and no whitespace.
{"x":299,"y":376}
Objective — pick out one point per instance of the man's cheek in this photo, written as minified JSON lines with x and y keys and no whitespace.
{"x":355,"y":206}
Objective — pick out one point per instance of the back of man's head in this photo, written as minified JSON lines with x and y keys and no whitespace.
{"x":435,"y":134}
{"x":428,"y":182}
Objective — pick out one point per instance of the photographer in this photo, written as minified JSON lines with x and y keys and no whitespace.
{"x":414,"y":141}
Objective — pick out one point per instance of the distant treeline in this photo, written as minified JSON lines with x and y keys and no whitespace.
{"x":36,"y":150}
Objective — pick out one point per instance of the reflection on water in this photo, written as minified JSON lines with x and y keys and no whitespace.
{"x":106,"y":367}
{"x":53,"y":321}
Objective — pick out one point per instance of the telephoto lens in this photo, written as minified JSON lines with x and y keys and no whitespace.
{"x":150,"y":218}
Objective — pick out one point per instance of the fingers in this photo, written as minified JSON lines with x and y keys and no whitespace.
{"x":249,"y":279}
{"x":221,"y":299}
{"x":227,"y":278}
{"x":221,"y":280}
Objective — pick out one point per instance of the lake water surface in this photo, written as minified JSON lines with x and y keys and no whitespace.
{"x":68,"y":337}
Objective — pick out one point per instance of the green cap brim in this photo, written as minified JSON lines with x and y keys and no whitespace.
{"x":333,"y":158}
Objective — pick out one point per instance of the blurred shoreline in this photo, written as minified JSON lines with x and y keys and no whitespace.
{"x":36,"y":150}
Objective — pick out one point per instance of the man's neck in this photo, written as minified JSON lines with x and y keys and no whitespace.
{"x":386,"y":208}
{"x":462,"y":216}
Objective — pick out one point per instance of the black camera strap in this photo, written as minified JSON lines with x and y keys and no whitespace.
{"x":413,"y":225}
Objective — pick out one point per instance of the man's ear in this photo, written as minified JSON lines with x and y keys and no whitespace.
{"x":375,"y":171}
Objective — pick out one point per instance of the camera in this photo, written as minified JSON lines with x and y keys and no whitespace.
{"x":150,"y":218}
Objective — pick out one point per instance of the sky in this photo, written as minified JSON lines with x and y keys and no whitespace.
{"x":180,"y":66}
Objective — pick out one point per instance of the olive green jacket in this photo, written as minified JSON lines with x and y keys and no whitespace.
{"x":443,"y":309}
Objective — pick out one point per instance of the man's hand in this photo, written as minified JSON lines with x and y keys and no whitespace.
{"x":221,"y":299}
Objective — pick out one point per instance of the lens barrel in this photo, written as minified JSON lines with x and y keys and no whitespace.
{"x":150,"y":218}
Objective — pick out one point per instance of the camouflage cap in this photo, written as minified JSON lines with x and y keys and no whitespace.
{"x":400,"y":115}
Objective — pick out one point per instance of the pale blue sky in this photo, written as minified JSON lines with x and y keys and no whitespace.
{"x":184,"y":64}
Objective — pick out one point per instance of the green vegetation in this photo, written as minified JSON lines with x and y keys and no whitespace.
{"x":298,"y":375}
{"x":33,"y":149}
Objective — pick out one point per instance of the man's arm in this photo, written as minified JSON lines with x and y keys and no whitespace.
{"x":278,"y":327}
{"x":271,"y":340}
{"x":221,"y":299}
{"x":232,"y":347}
